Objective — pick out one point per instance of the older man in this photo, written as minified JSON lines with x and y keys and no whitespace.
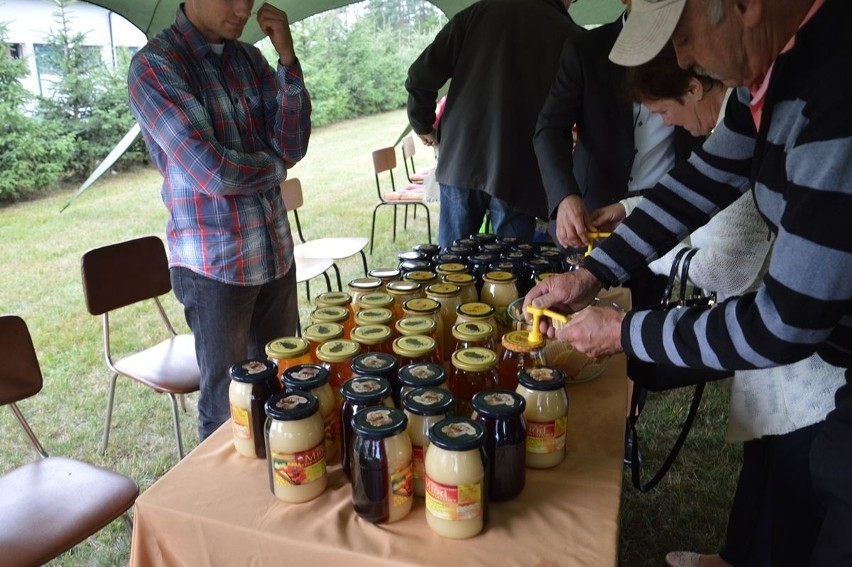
{"x":787,"y":133}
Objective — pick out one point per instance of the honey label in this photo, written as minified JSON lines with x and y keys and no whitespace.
{"x":240,"y":422}
{"x":417,"y":462}
{"x":402,"y":486}
{"x":454,"y":502}
{"x":546,"y":436}
{"x":297,"y":469}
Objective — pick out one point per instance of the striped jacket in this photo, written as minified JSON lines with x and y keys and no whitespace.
{"x":800,"y":166}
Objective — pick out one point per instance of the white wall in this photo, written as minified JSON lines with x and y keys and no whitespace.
{"x":29,"y":22}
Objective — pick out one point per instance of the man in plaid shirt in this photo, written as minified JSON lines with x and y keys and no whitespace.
{"x":223,"y":127}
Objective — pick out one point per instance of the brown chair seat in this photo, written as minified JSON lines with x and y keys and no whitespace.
{"x":167,"y":367}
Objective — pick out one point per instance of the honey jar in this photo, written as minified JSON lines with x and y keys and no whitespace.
{"x":252,"y":384}
{"x":478,"y":312}
{"x":421,"y":375}
{"x":334,"y":314}
{"x":288,"y":351}
{"x":385,"y":275}
{"x":358,"y":393}
{"x":336,"y":356}
{"x":501,"y":412}
{"x":448,"y":297}
{"x":313,"y":378}
{"x":381,"y":365}
{"x":473,"y":334}
{"x":423,"y":277}
{"x":373,"y":338}
{"x":416,"y":348}
{"x":374,"y":316}
{"x":518,"y":354}
{"x":403,"y":291}
{"x":467,"y":285}
{"x":546,"y":414}
{"x":424,"y":407}
{"x":321,"y":333}
{"x":377,"y":299}
{"x":499,"y":289}
{"x":362,"y":286}
{"x":473,"y":370}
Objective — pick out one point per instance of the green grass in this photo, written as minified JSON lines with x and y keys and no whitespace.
{"x":40,"y":281}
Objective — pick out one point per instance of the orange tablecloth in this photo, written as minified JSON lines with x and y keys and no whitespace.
{"x":215,"y":508}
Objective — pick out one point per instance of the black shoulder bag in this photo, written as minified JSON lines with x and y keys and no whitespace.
{"x":667,"y":377}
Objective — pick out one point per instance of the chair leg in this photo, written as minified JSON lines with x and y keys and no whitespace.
{"x":428,"y":223}
{"x":128,"y":523}
{"x":405,"y":218}
{"x":328,"y":282}
{"x":176,"y":420}
{"x":337,"y":272}
{"x":182,"y":403}
{"x":108,"y":420}
{"x":308,"y":290}
{"x":394,"y":223}
{"x":364,"y":260}
{"x":373,"y":228}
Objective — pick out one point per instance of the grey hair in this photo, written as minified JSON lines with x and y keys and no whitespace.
{"x":715,"y":11}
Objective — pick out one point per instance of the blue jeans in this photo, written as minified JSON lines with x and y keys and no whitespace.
{"x":463,"y":210}
{"x":231,"y":323}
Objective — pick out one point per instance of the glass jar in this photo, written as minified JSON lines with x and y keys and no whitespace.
{"x":448,"y":297}
{"x":483,"y":238}
{"x":412,"y":256}
{"x":313,"y":378}
{"x":424,"y":407}
{"x":448,"y":268}
{"x":546,"y":415}
{"x":408,"y":326}
{"x":384,"y":274}
{"x":469,"y":242}
{"x":535,"y":267}
{"x":334,"y":314}
{"x":359,"y":393}
{"x":427,"y":307}
{"x":374,"y":316}
{"x":288,"y":351}
{"x":380,"y":365}
{"x":382,"y":483}
{"x":336,"y":357}
{"x":424,"y":277}
{"x":555,"y":257}
{"x":321,"y":333}
{"x":413,"y":266}
{"x":447,"y":258}
{"x":518,"y":354}
{"x":428,"y":250}
{"x":416,"y":348}
{"x":473,"y":334}
{"x":460,"y":250}
{"x":467,"y":285}
{"x":473,"y":370}
{"x":456,"y":466}
{"x":294,"y":447}
{"x":335,"y":299}
{"x":252,"y":384}
{"x":362,"y":286}
{"x":499,"y":290}
{"x":421,"y":375}
{"x":373,"y":338}
{"x":377,"y":300}
{"x":478,"y":312}
{"x":402,"y":292}
{"x":501,"y":412}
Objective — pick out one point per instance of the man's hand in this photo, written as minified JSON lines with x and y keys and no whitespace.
{"x":594,"y":331}
{"x":573,"y":222}
{"x":566,"y":293}
{"x":609,"y":217}
{"x":275,"y":24}
{"x":430,"y":139}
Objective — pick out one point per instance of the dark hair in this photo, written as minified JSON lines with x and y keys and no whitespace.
{"x":662,"y":78}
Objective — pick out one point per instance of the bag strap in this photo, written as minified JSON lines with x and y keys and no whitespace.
{"x":667,"y":292}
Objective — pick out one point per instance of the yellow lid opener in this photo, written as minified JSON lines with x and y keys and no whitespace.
{"x":537,"y":313}
{"x":592,"y":236}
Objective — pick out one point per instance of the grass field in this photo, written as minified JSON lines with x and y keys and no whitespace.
{"x":40,"y":281}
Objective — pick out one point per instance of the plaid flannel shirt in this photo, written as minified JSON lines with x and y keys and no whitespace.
{"x":222,"y":130}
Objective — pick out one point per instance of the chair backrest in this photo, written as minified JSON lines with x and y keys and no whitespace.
{"x":124,"y":273}
{"x":384,"y":160}
{"x":408,"y":147}
{"x":20,"y":373}
{"x":291,"y":192}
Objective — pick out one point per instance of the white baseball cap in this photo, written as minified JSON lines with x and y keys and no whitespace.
{"x":647,"y":29}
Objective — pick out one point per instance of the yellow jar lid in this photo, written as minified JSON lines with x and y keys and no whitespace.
{"x":377,"y":299}
{"x":460,"y":279}
{"x":500,"y":277}
{"x":330,"y":314}
{"x":472,"y":331}
{"x":421,"y":306}
{"x":330,"y":298}
{"x":474,"y":359}
{"x":365,"y":283}
{"x":416,"y":326}
{"x":443,"y":290}
{"x":402,"y":287}
{"x":323,"y":332}
{"x":371,"y":334}
{"x":414,"y":346}
{"x":374,"y":316}
{"x":420,"y":276}
{"x":519,"y":341}
{"x":451,"y":268}
{"x":545,"y":275}
{"x":338,"y":350}
{"x":286,"y":347}
{"x":475,"y":310}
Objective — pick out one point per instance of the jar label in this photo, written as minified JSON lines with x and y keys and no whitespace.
{"x":417,"y":462}
{"x":297,"y":469}
{"x":454,"y":502}
{"x":402,"y":486}
{"x":240,"y":421}
{"x":546,"y":436}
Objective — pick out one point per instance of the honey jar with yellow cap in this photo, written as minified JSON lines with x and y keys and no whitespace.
{"x":473,"y":334}
{"x":334,"y":314}
{"x":359,"y":287}
{"x":499,"y":289}
{"x":320,"y":333}
{"x":377,"y":299}
{"x":403,"y":291}
{"x":288,"y":351}
{"x":424,"y":277}
{"x":374,"y":316}
{"x":473,"y":370}
{"x":373,"y":338}
{"x":336,"y":356}
{"x":416,"y":349}
{"x":480,"y":313}
{"x":449,"y":298}
{"x":519,"y":353}
{"x":385,"y":275}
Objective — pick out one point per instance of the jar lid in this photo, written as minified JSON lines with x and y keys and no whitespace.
{"x":305,"y":377}
{"x":420,"y":276}
{"x":384,"y":273}
{"x":253,"y":371}
{"x":483,"y":237}
{"x":400,"y":287}
{"x":459,"y":250}
{"x":330,"y":314}
{"x":376,"y":299}
{"x":371,"y":334}
{"x":422,"y":374}
{"x":448,"y":258}
{"x":515,"y":256}
{"x":503,"y":266}
{"x":469,"y":242}
{"x":540,"y":264}
{"x":338,"y":350}
{"x":286,"y":347}
{"x":333,"y":298}
{"x":428,"y":401}
{"x":498,"y":403}
{"x":460,"y":279}
{"x":413,"y":266}
{"x":526,"y":247}
{"x":491,"y":249}
{"x":323,"y":332}
{"x":457,"y":434}
{"x":472,"y":331}
{"x":550,"y":254}
{"x":379,"y":422}
{"x":542,"y":378}
{"x":366,"y":389}
{"x":365,"y":283}
{"x":508,"y":240}
{"x":544,"y":275}
{"x":475,"y":310}
{"x":519,"y":341}
{"x":428,"y":249}
{"x":443,"y":290}
{"x":421,"y":305}
{"x":414,"y":346}
{"x":500,"y":277}
{"x":374,"y":316}
{"x":416,"y":326}
{"x":373,"y":363}
{"x":451,"y":268}
{"x":474,"y":359}
{"x":291,"y":406}
{"x":411,"y":256}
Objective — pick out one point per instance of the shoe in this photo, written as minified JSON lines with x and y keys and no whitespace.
{"x":683,"y":559}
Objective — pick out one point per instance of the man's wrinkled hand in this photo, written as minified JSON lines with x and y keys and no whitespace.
{"x":565,"y":293}
{"x":594,"y":331}
{"x":573,"y":222}
{"x":609,"y":217}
